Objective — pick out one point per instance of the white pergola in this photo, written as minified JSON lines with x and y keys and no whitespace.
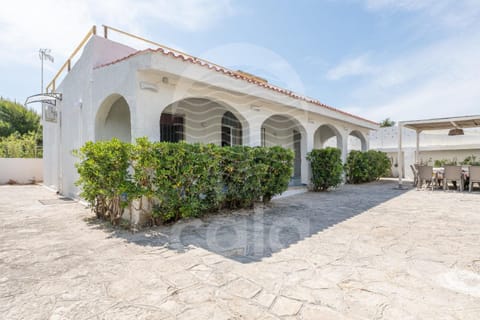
{"x":430,"y":124}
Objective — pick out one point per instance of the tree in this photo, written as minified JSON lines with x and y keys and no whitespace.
{"x":387,"y":123}
{"x":16,"y":118}
{"x":20,"y":146}
{"x":21,"y":133}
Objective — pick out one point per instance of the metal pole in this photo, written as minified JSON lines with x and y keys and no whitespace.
{"x":417,"y":150}
{"x":43,"y":54}
{"x":41,"y":59}
{"x":400,"y":157}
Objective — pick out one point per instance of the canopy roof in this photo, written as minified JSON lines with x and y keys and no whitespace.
{"x":443,"y":123}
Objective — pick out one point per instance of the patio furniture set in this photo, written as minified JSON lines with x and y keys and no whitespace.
{"x":460,"y":177}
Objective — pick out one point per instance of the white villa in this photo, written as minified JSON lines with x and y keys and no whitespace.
{"x":114,"y":90}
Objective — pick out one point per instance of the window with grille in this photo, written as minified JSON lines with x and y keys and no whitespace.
{"x":231,"y":130}
{"x":172,"y":127}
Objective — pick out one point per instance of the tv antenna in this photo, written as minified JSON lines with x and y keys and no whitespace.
{"x":44,"y":54}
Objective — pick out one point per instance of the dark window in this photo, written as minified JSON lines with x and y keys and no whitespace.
{"x":171,"y":127}
{"x":231,"y":130}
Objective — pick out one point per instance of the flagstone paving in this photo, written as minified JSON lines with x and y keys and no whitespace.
{"x":361,"y":252}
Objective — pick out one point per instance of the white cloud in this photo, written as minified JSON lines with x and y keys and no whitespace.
{"x":434,"y":79}
{"x":440,"y":79}
{"x":399,"y":4}
{"x":27,"y":26}
{"x":351,"y":67}
{"x":447,"y":13}
{"x":184,"y":14}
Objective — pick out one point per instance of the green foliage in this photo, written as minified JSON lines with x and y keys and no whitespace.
{"x":327,"y":168}
{"x":471,"y":161}
{"x":387,"y":123}
{"x":20,"y":146}
{"x":276,"y":164}
{"x":20,"y":131}
{"x":444,"y":162}
{"x":241,"y":176}
{"x":439,"y":163}
{"x":179,"y":180}
{"x":366,"y":166}
{"x":16,"y":118}
{"x":104,"y":177}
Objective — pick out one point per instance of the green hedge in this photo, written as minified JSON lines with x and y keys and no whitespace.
{"x":366,"y":166}
{"x":277,"y":170}
{"x":326,"y":167}
{"x":179,"y":180}
{"x":104,"y":177}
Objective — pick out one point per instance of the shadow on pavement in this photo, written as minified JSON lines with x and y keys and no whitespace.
{"x":251,"y":235}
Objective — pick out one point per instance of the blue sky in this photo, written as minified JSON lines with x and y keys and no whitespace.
{"x":401,"y":59}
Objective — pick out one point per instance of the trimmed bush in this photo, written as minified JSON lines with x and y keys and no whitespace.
{"x":276,"y":164}
{"x":179,"y":180}
{"x":104,"y":177}
{"x":241,"y":176}
{"x":326,"y":167}
{"x":182,"y":180}
{"x":366,"y":166}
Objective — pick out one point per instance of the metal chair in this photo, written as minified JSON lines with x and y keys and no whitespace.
{"x":425,"y":174}
{"x":474,"y":176}
{"x":415,"y":175}
{"x":453,"y":173}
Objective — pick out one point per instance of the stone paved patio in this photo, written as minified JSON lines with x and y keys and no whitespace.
{"x":362,"y":252}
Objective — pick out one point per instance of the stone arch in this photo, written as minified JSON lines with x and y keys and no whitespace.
{"x":202,"y":120}
{"x":286,"y":131}
{"x":113,"y":119}
{"x":357,"y":141}
{"x":327,"y":136}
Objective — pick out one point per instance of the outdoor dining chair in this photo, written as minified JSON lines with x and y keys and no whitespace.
{"x":424,"y":176}
{"x":474,"y":176}
{"x":415,"y":175}
{"x":453,"y":173}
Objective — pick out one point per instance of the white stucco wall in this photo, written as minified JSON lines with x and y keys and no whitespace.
{"x":150,"y":83}
{"x":116,"y":123}
{"x":21,"y":170}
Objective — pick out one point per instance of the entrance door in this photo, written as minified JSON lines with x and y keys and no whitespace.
{"x":297,"y":165}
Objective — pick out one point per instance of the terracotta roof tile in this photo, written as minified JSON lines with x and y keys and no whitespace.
{"x":234,"y":74}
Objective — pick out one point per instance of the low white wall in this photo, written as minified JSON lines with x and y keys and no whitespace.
{"x":21,"y":170}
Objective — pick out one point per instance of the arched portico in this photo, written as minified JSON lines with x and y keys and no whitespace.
{"x":203,"y":120}
{"x":357,"y":141}
{"x":113,"y":119}
{"x":286,"y":131}
{"x":327,"y":136}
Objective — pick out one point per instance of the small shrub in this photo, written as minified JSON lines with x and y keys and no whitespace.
{"x":241,"y":176}
{"x":471,"y":161}
{"x":439,"y":163}
{"x":326,"y":167}
{"x":181,"y":180}
{"x":275,"y":166}
{"x":366,"y":166}
{"x":104,"y":177}
{"x":379,"y":164}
